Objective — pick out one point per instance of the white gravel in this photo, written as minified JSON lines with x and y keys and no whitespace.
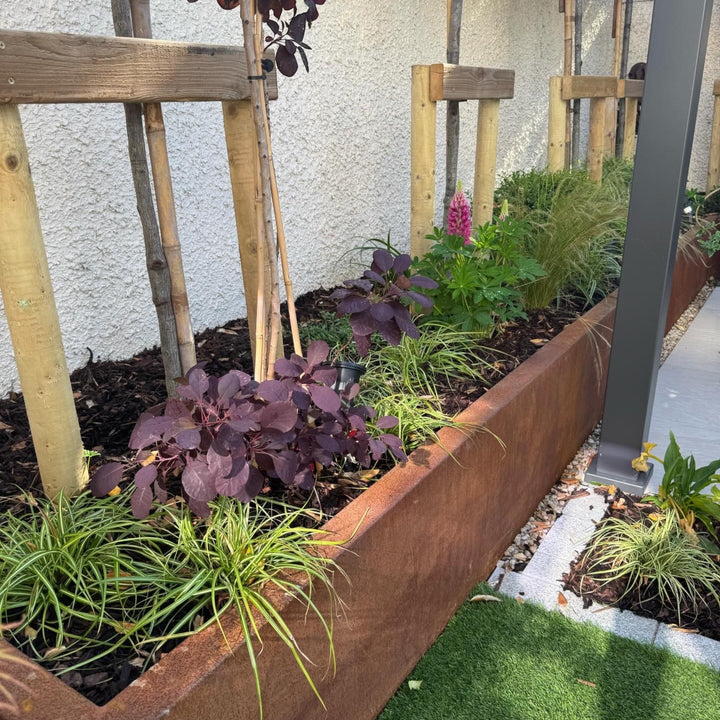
{"x":572,"y":480}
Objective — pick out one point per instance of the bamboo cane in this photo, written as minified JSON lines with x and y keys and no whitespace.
{"x":281,"y":246}
{"x":270,"y":319}
{"x":279,"y":224}
{"x":162,"y":180}
{"x":158,"y":272}
{"x":33,"y":320}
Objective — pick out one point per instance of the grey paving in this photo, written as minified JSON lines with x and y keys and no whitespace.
{"x":540,"y":582}
{"x":687,"y":397}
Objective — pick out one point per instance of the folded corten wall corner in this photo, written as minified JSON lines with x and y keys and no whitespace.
{"x":421,"y":538}
{"x":692,"y":270}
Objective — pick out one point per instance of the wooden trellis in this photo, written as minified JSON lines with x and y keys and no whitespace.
{"x":430,"y":85}
{"x":601,"y":90}
{"x":61,"y":68}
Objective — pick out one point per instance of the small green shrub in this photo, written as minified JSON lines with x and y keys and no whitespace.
{"x":657,"y":556}
{"x":682,"y":486}
{"x":479,"y":283}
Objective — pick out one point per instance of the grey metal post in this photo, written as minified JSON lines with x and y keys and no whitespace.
{"x":676,"y":56}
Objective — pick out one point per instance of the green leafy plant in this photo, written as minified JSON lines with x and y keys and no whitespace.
{"x":84,"y":578}
{"x":681,"y":489}
{"x":657,"y":556}
{"x":479,"y":283}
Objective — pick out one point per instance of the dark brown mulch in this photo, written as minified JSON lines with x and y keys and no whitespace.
{"x":704,"y":620}
{"x":110,"y":395}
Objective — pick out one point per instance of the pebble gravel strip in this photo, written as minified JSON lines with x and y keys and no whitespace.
{"x":572,"y":481}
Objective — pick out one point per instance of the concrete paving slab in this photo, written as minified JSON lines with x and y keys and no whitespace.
{"x":566,"y":539}
{"x":694,"y":647}
{"x":551,"y":596}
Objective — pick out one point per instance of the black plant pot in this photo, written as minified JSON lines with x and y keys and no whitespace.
{"x":348,"y":374}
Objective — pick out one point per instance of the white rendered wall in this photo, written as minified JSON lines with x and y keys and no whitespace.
{"x":642,"y":17}
{"x":341,"y":142}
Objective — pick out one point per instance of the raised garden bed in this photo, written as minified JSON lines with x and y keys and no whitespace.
{"x":418,"y":542}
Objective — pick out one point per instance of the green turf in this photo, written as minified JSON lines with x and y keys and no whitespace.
{"x":512,"y":661}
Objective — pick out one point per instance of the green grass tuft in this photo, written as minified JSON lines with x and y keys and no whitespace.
{"x":512,"y":661}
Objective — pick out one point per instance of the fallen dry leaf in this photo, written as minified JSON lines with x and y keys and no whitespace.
{"x":538,"y":341}
{"x":520,"y":600}
{"x":485,"y":598}
{"x":53,"y":651}
{"x":570,"y":481}
{"x":3,"y":426}
{"x":562,"y":600}
{"x":689,"y":631}
{"x":619,"y":504}
{"x":587,"y":682}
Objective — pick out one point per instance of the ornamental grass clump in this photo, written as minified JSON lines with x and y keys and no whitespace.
{"x":85,"y":584}
{"x":654,"y":557}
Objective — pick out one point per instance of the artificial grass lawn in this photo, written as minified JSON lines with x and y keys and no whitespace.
{"x":513,"y":661}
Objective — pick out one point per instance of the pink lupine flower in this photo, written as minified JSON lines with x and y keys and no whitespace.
{"x":459,"y":222}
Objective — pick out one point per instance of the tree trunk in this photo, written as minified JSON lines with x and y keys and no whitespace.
{"x":578,"y":71}
{"x":158,"y":272}
{"x":620,"y":144}
{"x":165,"y":200}
{"x":452,"y":125}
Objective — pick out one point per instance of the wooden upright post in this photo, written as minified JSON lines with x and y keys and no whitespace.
{"x":422,"y":161}
{"x":556,"y":126}
{"x":631,"y":109}
{"x":596,"y":139}
{"x":485,"y":160}
{"x":713,"y":178}
{"x":33,"y":320}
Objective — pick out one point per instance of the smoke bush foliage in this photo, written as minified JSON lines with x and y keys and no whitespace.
{"x":377,"y":302}
{"x":226,"y":436}
{"x":285,"y":27}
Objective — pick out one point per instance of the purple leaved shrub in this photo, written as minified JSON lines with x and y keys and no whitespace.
{"x":228,"y":435}
{"x":379,"y":300}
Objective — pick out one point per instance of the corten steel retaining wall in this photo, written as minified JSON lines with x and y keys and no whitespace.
{"x":420,"y":539}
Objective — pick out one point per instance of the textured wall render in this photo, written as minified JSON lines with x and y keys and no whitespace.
{"x":341,"y":141}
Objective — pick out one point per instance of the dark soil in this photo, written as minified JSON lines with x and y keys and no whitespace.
{"x":704,"y":620}
{"x":111,"y":395}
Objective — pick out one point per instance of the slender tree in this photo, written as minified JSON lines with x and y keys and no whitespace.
{"x":158,"y":272}
{"x":452,"y":126}
{"x":620,"y":139}
{"x":578,"y":71}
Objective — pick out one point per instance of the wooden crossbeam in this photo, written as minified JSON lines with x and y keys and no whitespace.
{"x":631,"y":88}
{"x":463,"y":82}
{"x":589,"y":86}
{"x":61,"y":68}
